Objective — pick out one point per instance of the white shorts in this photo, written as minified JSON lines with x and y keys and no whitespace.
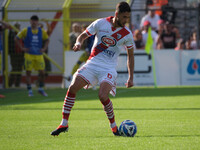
{"x":93,"y":76}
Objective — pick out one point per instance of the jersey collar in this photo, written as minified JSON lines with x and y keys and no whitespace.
{"x":109,"y":20}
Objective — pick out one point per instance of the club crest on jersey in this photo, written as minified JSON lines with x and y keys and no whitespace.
{"x":108,"y":40}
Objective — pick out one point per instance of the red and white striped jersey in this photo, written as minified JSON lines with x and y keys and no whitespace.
{"x":108,"y":43}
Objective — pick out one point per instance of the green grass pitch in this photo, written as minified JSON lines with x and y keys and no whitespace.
{"x":167,"y":118}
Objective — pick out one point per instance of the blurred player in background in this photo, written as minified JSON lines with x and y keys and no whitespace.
{"x":3,"y":26}
{"x":16,"y":54}
{"x":86,"y":46}
{"x":47,"y":62}
{"x":16,"y":57}
{"x":111,"y":35}
{"x":34,"y":37}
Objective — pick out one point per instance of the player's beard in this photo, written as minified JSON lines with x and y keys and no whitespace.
{"x":119,"y":23}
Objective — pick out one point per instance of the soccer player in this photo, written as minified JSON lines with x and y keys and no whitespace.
{"x":34,"y":37}
{"x":111,"y":35}
{"x":3,"y":25}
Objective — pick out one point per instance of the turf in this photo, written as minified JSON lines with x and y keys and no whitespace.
{"x":167,"y":118}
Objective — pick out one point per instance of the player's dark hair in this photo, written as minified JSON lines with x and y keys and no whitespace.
{"x":34,"y":17}
{"x":123,"y":7}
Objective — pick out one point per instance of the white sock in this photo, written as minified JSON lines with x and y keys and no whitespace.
{"x":112,"y":125}
{"x":64,"y":122}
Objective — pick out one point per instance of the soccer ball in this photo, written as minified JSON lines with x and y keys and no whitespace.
{"x":127,"y":128}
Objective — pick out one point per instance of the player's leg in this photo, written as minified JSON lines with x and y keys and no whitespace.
{"x":75,"y":86}
{"x":78,"y":84}
{"x":13,"y":64}
{"x":104,"y":91}
{"x":19,"y":69}
{"x":41,"y":77}
{"x":28,"y":82}
{"x":40,"y":66}
{"x":28,"y":67}
{"x":47,"y":67}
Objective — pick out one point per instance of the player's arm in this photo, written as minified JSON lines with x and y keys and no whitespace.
{"x":91,"y":30}
{"x":5,"y":25}
{"x":79,"y":41}
{"x":130,"y":65}
{"x":17,"y":40}
{"x":45,"y":39}
{"x":46,"y":43}
{"x":21,"y":35}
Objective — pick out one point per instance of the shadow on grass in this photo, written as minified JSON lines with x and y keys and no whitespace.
{"x":20,"y":96}
{"x":175,"y":136}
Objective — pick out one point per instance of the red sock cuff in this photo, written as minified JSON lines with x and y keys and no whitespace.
{"x":106,"y":102}
{"x":112,"y":120}
{"x":70,"y":94}
{"x":65,"y":116}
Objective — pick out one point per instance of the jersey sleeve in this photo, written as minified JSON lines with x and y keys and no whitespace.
{"x":129,"y":43}
{"x":44,"y":35}
{"x":92,"y":28}
{"x":22,"y":34}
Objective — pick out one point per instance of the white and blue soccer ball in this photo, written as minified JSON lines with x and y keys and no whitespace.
{"x":127,"y":128}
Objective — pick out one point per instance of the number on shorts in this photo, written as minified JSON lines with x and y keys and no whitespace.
{"x":109,"y":76}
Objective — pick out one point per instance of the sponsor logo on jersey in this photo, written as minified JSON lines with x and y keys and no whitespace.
{"x":108,"y":41}
{"x":108,"y":53}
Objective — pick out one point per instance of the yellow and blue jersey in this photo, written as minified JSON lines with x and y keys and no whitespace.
{"x":33,"y":39}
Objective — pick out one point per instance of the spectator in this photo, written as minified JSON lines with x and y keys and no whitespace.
{"x":34,"y":37}
{"x":161,"y":24}
{"x":176,"y":30}
{"x":188,"y":45}
{"x":138,"y":39}
{"x":180,"y":45}
{"x":194,"y":41}
{"x":152,"y":18}
{"x":16,"y":58}
{"x":74,"y":34}
{"x":154,"y":35}
{"x":169,"y":13}
{"x":167,"y":39}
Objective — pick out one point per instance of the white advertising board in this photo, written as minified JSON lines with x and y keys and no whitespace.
{"x":167,"y":64}
{"x":143,"y":74}
{"x":172,"y":68}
